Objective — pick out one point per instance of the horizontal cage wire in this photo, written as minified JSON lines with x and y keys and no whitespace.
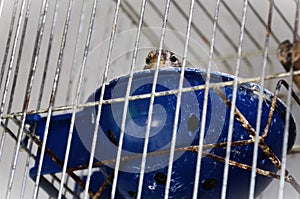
{"x":149,"y":99}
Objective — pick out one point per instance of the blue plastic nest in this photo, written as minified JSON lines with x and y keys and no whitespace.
{"x":187,"y":134}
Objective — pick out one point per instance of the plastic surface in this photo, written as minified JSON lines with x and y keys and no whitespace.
{"x":187,"y":134}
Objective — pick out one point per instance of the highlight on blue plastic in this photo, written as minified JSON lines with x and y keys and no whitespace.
{"x":187,"y":134}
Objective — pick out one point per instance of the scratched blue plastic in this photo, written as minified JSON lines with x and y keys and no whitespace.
{"x":217,"y":124}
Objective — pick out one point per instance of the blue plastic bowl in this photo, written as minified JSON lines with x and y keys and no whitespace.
{"x":187,"y":134}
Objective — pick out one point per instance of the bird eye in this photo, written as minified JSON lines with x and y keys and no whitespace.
{"x":147,"y":60}
{"x":173,"y":58}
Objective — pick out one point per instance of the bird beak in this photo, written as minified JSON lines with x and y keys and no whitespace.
{"x":162,"y":64}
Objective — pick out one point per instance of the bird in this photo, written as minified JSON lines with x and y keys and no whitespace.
{"x":168,"y":59}
{"x":289,"y":55}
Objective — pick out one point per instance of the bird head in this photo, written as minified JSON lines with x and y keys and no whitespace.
{"x":167,"y":59}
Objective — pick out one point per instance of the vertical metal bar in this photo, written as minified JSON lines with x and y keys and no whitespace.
{"x":77,"y":47}
{"x":54,"y":18}
{"x":10,"y":67}
{"x":205,"y":101}
{"x":149,"y":120}
{"x":126,"y":103}
{"x":1,"y":7}
{"x":35,"y":56}
{"x":26,"y":170}
{"x":63,"y":185}
{"x":178,"y":102}
{"x":12,"y":57}
{"x":74,"y":107}
{"x":296,"y":25}
{"x":152,"y":37}
{"x":52,"y":97}
{"x":12,"y":22}
{"x":73,"y":66}
{"x":133,"y":16}
{"x":197,"y":29}
{"x":30,"y":144}
{"x":285,"y":138}
{"x":16,"y":70}
{"x":105,"y":75}
{"x":260,"y":102}
{"x":227,"y":36}
{"x":11,"y":27}
{"x":251,"y":37}
{"x":233,"y":101}
{"x":173,"y":26}
{"x":256,"y":13}
{"x":288,"y":110}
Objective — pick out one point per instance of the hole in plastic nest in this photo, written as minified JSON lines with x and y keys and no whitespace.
{"x":132,"y":194}
{"x":193,"y":123}
{"x":209,"y":184}
{"x":160,"y":178}
{"x":112,"y":137}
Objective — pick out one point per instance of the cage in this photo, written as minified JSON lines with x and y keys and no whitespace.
{"x":82,"y":117}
